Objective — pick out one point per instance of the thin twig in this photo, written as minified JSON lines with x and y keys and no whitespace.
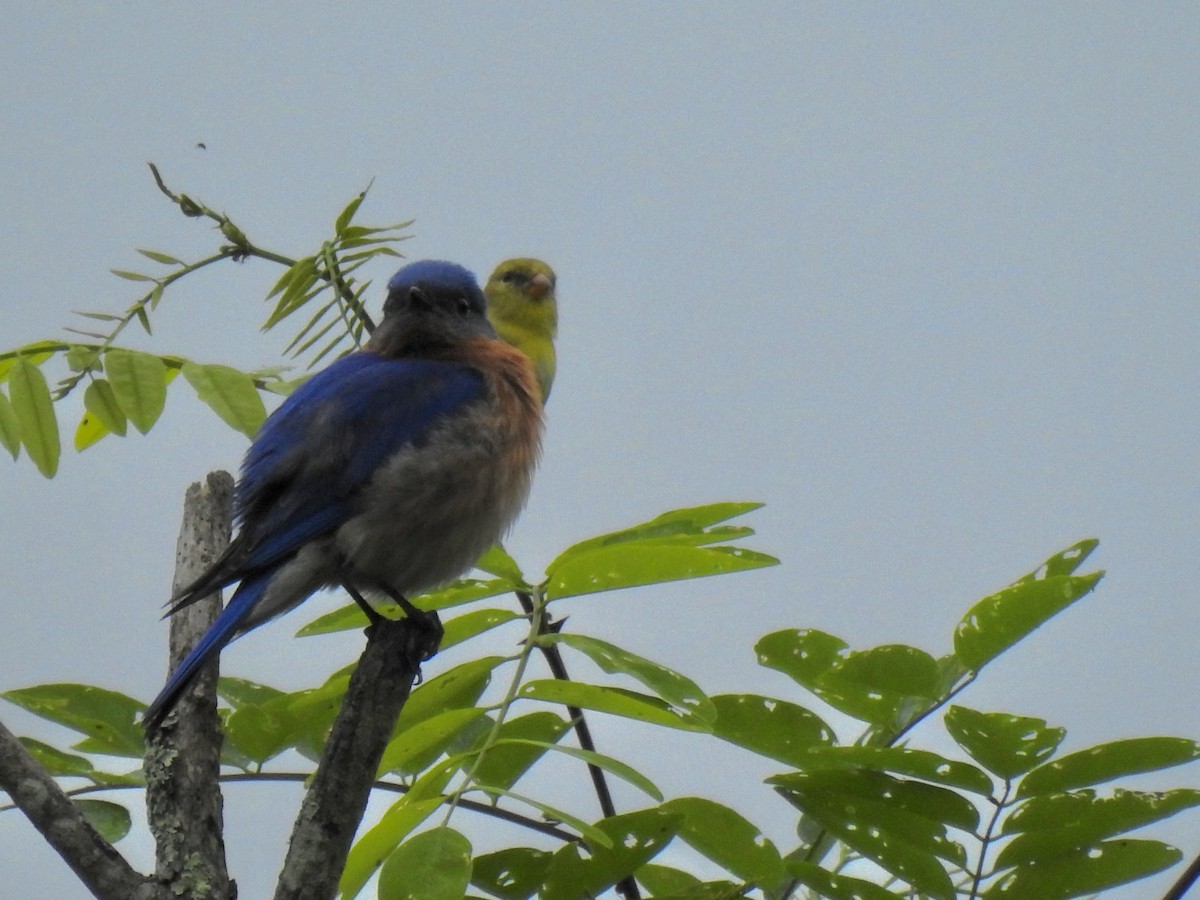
{"x":627,"y":886}
{"x":1189,"y":877}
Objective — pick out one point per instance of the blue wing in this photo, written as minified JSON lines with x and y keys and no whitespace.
{"x":311,"y":458}
{"x":305,"y":469}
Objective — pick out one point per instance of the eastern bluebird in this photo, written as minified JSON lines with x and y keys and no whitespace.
{"x":389,"y":472}
{"x":524,"y":311}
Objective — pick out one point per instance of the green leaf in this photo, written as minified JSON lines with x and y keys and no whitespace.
{"x":433,"y":865}
{"x":100,"y":401}
{"x":884,"y":685}
{"x":1004,"y":744}
{"x":1088,"y":871}
{"x":243,"y":692}
{"x":996,"y":623}
{"x":512,"y":874}
{"x":56,"y":762}
{"x":900,"y":760}
{"x":608,"y":763}
{"x":346,"y":215}
{"x":230,"y":394}
{"x":37,"y":353}
{"x":34,"y":412}
{"x":728,"y":839}
{"x":1060,"y":824}
{"x":89,"y":431}
{"x":457,"y":688}
{"x":131,"y":276}
{"x":160,"y":257}
{"x":589,"y":833}
{"x":679,"y":523}
{"x":772,"y":728}
{"x":472,"y":624}
{"x":110,"y":819}
{"x":634,"y":837}
{"x":106,"y":717}
{"x":636,"y":564}
{"x":934,"y":804}
{"x":677,"y":690}
{"x":263,"y":731}
{"x":1105,"y":762}
{"x":835,"y":885}
{"x":139,"y":382}
{"x":370,"y":850}
{"x":278,"y":721}
{"x":898,"y":824}
{"x":664,"y":881}
{"x":415,"y":747}
{"x":804,"y":655}
{"x":83,"y":358}
{"x":496,"y":561}
{"x":10,"y":428}
{"x":1065,"y":562}
{"x":297,"y":281}
{"x":629,"y":704}
{"x":878,"y":685}
{"x":520,"y":743}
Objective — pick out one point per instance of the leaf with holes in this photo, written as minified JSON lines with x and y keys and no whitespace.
{"x":729,"y":840}
{"x":772,"y":728}
{"x":1087,"y":871}
{"x":1004,"y":744}
{"x":635,"y":838}
{"x":676,"y":689}
{"x":1105,"y":762}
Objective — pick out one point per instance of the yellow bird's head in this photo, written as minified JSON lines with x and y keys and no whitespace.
{"x":523,"y":309}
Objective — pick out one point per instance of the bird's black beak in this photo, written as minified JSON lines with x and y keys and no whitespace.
{"x":418,"y":299}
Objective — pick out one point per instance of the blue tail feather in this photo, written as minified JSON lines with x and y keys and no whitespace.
{"x":222,"y":631}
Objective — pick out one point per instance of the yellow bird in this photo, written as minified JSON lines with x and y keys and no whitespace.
{"x":524,"y":311}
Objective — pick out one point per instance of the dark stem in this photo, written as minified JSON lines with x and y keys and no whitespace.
{"x":1185,"y":882}
{"x":987,"y":836}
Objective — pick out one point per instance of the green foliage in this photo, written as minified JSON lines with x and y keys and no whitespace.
{"x":122,"y":385}
{"x":913,"y":813}
{"x":1006,"y":815}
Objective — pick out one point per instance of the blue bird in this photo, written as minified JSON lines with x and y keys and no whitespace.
{"x":389,"y":472}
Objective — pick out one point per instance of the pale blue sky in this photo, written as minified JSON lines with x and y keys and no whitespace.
{"x":921,"y":277}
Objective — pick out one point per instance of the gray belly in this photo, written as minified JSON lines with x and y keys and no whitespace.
{"x":430,"y":513}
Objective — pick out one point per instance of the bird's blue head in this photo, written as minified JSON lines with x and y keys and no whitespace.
{"x":437,"y":275}
{"x":431,"y":303}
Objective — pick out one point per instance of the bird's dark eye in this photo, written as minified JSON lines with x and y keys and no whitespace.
{"x":513,"y":277}
{"x":462,"y":306}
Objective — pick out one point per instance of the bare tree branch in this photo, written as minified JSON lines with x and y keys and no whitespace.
{"x":183,"y":757}
{"x":334,"y":804}
{"x":99,"y":866}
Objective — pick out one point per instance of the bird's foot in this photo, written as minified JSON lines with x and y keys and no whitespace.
{"x":429,"y":627}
